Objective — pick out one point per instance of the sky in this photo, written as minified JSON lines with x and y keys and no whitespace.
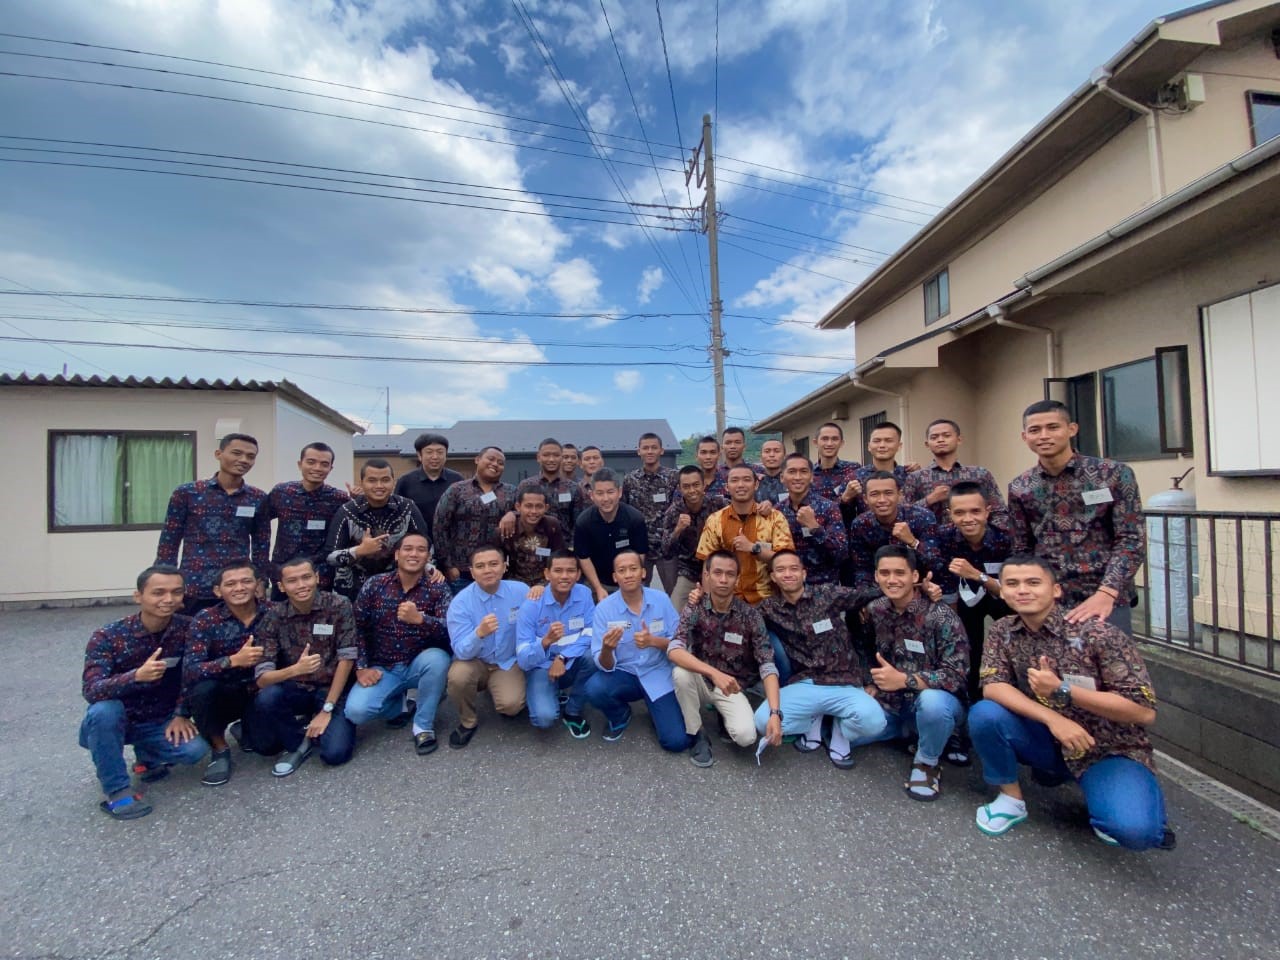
{"x":503,"y":180}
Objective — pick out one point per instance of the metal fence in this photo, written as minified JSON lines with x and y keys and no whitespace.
{"x":1208,"y":586}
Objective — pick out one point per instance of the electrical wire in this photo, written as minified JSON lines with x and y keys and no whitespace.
{"x":788,"y":263}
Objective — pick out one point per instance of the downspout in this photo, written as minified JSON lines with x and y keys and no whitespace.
{"x":902,"y":405}
{"x":1001,"y":317}
{"x":1100,"y":78}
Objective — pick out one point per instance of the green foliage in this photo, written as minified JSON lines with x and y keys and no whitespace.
{"x":689,"y":445}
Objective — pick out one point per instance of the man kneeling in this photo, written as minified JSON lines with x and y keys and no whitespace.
{"x":1070,"y":700}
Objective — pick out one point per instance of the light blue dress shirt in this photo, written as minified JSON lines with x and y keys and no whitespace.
{"x":537,"y":616}
{"x":650,"y":666}
{"x":470,"y":607}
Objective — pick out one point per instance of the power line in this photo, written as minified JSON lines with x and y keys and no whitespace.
{"x":835,"y":183}
{"x":788,"y":263}
{"x":801,"y":233}
{"x":826,"y":203}
{"x":787,"y":245}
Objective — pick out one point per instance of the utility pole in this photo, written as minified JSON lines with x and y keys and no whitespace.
{"x":707,"y":178}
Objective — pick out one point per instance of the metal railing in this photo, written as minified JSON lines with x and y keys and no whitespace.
{"x":1208,"y":586}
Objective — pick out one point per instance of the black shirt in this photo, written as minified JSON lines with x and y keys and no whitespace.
{"x":425,"y":492}
{"x":599,"y":541}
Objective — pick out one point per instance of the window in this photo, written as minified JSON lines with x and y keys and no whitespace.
{"x":1131,"y":411}
{"x":1264,"y":116}
{"x":802,"y":446}
{"x":1240,"y":339}
{"x":937,"y":296}
{"x":869,"y":424}
{"x":1080,"y":394}
{"x":115,"y":481}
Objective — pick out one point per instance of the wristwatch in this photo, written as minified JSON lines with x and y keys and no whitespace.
{"x":776,"y":713}
{"x":1062,"y":696}
{"x":983,"y":579}
{"x":757,"y":547}
{"x":913,"y":682}
{"x":328,"y":707}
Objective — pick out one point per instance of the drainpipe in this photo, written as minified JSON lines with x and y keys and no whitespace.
{"x":998,"y":313}
{"x":1099,"y":79}
{"x":902,"y":405}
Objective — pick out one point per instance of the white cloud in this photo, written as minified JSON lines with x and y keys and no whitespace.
{"x":628,"y":381}
{"x":650,"y":281}
{"x":556,"y":393}
{"x":575,"y":284}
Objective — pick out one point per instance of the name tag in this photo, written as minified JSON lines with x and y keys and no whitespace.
{"x":914,"y":646}
{"x":488,"y":497}
{"x":822,"y":626}
{"x":1095,"y":497}
{"x":543,"y":551}
{"x":659,"y":498}
{"x":316,"y":524}
{"x":322,"y":629}
{"x":657,"y":626}
{"x":170,"y":662}
{"x":806,"y":532}
{"x":512,"y":613}
{"x":992,"y":569}
{"x":565,"y":497}
{"x":622,"y":543}
{"x":576,"y":623}
{"x":245,"y":511}
{"x":1078,"y":680}
{"x":734,"y":638}
{"x":620,"y":624}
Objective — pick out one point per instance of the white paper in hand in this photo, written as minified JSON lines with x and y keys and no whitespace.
{"x":760,"y":749}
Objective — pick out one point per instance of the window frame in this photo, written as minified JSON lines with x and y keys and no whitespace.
{"x":1104,"y":435}
{"x":1250,"y":98}
{"x":944,"y":310}
{"x":801,"y":445}
{"x":1162,"y":392}
{"x":124,"y":435}
{"x":865,"y":428}
{"x":1093,"y":423}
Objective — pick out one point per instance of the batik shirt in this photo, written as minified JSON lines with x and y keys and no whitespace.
{"x":467,"y":517}
{"x":926,"y":639}
{"x":723,"y":527}
{"x":116,"y":651}
{"x":717,"y":486}
{"x":920,"y":484}
{"x":684,"y":548}
{"x":356,"y":520}
{"x":304,"y":516}
{"x":867,"y":535}
{"x":1086,"y":521}
{"x":213,"y":528}
{"x":1092,"y":654}
{"x":329,"y":629}
{"x":565,"y":499}
{"x":829,"y":482}
{"x":814,"y":634}
{"x":733,"y":642}
{"x":770,"y":488}
{"x":216,"y":633}
{"x":528,"y":552}
{"x":987,"y":557}
{"x":651,"y":494}
{"x":823,"y":549}
{"x":383,"y":639}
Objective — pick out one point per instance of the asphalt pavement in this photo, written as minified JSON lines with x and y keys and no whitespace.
{"x":531,"y":844}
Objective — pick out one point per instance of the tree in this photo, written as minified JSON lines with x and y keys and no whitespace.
{"x":689,"y":445}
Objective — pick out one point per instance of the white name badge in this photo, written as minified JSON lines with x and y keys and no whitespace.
{"x":622,"y":543}
{"x":576,"y":623}
{"x":245,"y":511}
{"x":1095,"y":497}
{"x":543,"y":551}
{"x":488,"y":497}
{"x":914,"y":646}
{"x":992,"y":568}
{"x":619,"y":624}
{"x":512,"y":614}
{"x":806,"y":532}
{"x":170,"y":662}
{"x":1078,"y":680}
{"x":659,"y":498}
{"x":565,"y":497}
{"x":822,"y":626}
{"x":322,"y":629}
{"x":734,"y":638}
{"x":316,"y":524}
{"x":657,"y":626}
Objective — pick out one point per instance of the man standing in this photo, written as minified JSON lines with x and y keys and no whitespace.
{"x":482,"y":631}
{"x":930,"y":486}
{"x":304,"y":509}
{"x":888,"y":520}
{"x":817,"y":529}
{"x":402,"y":644}
{"x":630,"y":632}
{"x":569,"y":463}
{"x":309,"y":649}
{"x":771,"y":486}
{"x":367,"y":529}
{"x":720,"y":648}
{"x":714,"y":474}
{"x":1082,"y":514}
{"x":592,"y":460}
{"x":426,"y":484}
{"x":217,"y":667}
{"x":132,"y":681}
{"x":553,"y":647}
{"x":835,"y":479}
{"x":650,"y":489}
{"x":682,"y":527}
{"x":733,"y":444}
{"x":565,"y":499}
{"x":606,"y":529}
{"x":1073,"y":700}
{"x":216,"y":521}
{"x":741,"y":529}
{"x":468,"y":514}
{"x":534,"y":536}
{"x":922,"y":657}
{"x":883,"y":446}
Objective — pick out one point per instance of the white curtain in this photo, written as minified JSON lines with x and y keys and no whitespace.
{"x":87,"y":481}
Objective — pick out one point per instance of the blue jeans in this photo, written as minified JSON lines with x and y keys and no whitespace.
{"x":780,"y":659}
{"x":857,"y":712}
{"x":613,"y":691}
{"x":1124,"y":798}
{"x":426,"y":673}
{"x":540,"y":691}
{"x":933,"y":714}
{"x":277,"y":727}
{"x":104,"y":732}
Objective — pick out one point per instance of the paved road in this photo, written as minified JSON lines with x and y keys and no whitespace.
{"x":538,"y":846}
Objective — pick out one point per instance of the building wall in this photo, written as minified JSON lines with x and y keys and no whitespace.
{"x":295,"y":427}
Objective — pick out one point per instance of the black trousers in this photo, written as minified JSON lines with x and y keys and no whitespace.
{"x":214,"y":704}
{"x":974,"y":621}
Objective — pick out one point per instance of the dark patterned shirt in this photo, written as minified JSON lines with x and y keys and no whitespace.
{"x":356,"y":520}
{"x":528,"y":552}
{"x":651,"y":494}
{"x":770,"y":488}
{"x":565,"y":499}
{"x":1086,"y":521}
{"x":425,"y":492}
{"x":824,"y":548}
{"x":303,"y":529}
{"x":684,"y":548}
{"x":1093,"y":652}
{"x":214,"y":528}
{"x":814,"y":634}
{"x":920,"y":484}
{"x":216,"y":633}
{"x":329,"y":629}
{"x":733,"y":642}
{"x":383,"y":639}
{"x":467,"y":517}
{"x":717,"y":486}
{"x":986,"y":556}
{"x":829,"y":482}
{"x":867,"y":535}
{"x":926,"y":638}
{"x":115,"y":652}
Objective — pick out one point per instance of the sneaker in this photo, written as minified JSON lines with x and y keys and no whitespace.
{"x":957,"y":751}
{"x":461,"y":736}
{"x":237,"y":734}
{"x":700,"y":753}
{"x":614,"y":734}
{"x":425,"y":742}
{"x":218,"y":771}
{"x":1000,"y":816}
{"x":148,"y":773}
{"x":1169,"y":841}
{"x":579,"y":728}
{"x":292,"y":761}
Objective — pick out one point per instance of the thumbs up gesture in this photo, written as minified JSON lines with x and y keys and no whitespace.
{"x":248,"y":655}
{"x":152,"y":668}
{"x":1042,"y":678}
{"x":930,"y":589}
{"x":308,"y":663}
{"x":886,"y":676}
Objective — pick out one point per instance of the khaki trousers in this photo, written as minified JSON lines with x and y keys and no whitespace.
{"x":694,"y":691}
{"x":468,"y":677}
{"x":680,"y":595}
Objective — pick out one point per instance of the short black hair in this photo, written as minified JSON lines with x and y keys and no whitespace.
{"x":898,"y":551}
{"x":568,"y":446}
{"x":744,"y":466}
{"x":796,"y":456}
{"x":318,"y":445}
{"x":720,"y":555}
{"x":231,"y":438}
{"x":550,"y":442}
{"x":241,"y":564}
{"x":951,"y":423}
{"x":623,"y":553}
{"x":886,"y":425}
{"x":158,"y":570}
{"x":486,"y":449}
{"x":689,"y":469}
{"x":297,"y":562}
{"x":486,"y":548}
{"x":429,"y":439}
{"x":604,"y":475}
{"x":708,"y":439}
{"x":536,"y":489}
{"x":591,"y":446}
{"x":649,"y":436}
{"x":728,"y":430}
{"x":784,"y":552}
{"x":963,"y":489}
{"x":555,"y":555}
{"x":833,"y":425}
{"x":377,"y":463}
{"x":1047,"y":406}
{"x":413,"y":533}
{"x":1031,"y":560}
{"x":883,"y":475}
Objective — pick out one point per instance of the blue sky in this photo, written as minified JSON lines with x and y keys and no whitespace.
{"x":900,"y":103}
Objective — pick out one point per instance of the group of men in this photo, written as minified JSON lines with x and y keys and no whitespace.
{"x":832,"y":603}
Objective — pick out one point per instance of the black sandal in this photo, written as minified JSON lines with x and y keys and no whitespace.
{"x":932,"y":782}
{"x":126,"y":808}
